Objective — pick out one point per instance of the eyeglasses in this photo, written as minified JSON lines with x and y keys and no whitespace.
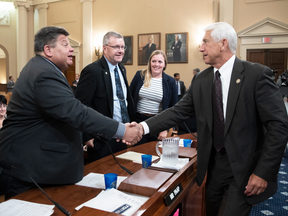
{"x":118,"y":47}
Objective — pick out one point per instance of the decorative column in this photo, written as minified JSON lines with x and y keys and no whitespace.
{"x":87,"y":32}
{"x":226,"y":11}
{"x":22,"y":34}
{"x":42,"y":15}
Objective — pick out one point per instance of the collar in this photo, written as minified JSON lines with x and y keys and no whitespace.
{"x":52,"y":64}
{"x":111,"y":66}
{"x":228,"y":66}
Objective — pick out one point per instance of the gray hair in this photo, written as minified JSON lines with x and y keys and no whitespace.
{"x":47,"y":36}
{"x":109,"y":34}
{"x":221,"y":30}
{"x":197,"y":70}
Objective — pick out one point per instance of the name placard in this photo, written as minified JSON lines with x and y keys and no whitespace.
{"x":173,"y":194}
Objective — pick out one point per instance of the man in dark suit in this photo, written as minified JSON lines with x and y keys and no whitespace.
{"x":181,"y":89}
{"x":41,"y":135}
{"x":75,"y":83}
{"x":97,"y":89}
{"x":10,"y":84}
{"x":149,"y":48}
{"x":241,"y":125}
{"x":176,"y":46}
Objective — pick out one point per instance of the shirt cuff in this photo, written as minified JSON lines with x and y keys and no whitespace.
{"x":145,"y":127}
{"x":120,"y":131}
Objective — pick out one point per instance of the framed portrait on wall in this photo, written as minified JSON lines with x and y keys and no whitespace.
{"x":147,"y":43}
{"x":177,"y":47}
{"x":128,"y":56}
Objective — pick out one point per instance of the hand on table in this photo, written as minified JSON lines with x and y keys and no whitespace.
{"x":90,"y":143}
{"x":162,"y":135}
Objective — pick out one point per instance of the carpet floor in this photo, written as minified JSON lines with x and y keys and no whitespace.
{"x":277,"y":204}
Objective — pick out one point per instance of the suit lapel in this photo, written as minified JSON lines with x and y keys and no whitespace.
{"x":206,"y":89}
{"x":108,"y":83}
{"x":234,"y":90}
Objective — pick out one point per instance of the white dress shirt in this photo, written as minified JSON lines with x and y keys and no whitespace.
{"x":116,"y":104}
{"x":226,"y":72}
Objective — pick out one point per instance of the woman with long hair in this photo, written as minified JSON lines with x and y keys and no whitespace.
{"x":153,"y":91}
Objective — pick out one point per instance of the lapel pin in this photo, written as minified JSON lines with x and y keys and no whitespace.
{"x":238,"y":81}
{"x":105,"y":72}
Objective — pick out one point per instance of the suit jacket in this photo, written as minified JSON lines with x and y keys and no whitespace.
{"x":182,"y":88}
{"x":10,"y":86}
{"x":41,"y":133}
{"x":149,"y":50}
{"x":169,"y":89}
{"x":74,"y":88}
{"x":176,"y":50}
{"x":95,"y":90}
{"x":255,"y":129}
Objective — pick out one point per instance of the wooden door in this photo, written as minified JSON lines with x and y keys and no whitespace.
{"x":276,"y":59}
{"x":70,"y":72}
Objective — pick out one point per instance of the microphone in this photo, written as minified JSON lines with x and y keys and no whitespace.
{"x":189,"y":130}
{"x":124,"y":168}
{"x":6,"y":165}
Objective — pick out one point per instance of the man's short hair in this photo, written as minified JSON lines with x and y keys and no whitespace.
{"x":176,"y":74}
{"x":109,"y":34}
{"x":3,"y":100}
{"x":10,"y":77}
{"x":221,"y":30}
{"x":197,"y":70}
{"x":47,"y":36}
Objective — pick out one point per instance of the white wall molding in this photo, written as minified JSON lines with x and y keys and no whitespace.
{"x":252,"y":36}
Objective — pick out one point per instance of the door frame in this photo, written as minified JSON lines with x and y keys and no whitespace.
{"x":252,"y":36}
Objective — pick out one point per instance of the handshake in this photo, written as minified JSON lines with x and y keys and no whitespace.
{"x":133,"y":133}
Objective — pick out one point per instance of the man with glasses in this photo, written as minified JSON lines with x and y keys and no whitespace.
{"x":103,"y":86}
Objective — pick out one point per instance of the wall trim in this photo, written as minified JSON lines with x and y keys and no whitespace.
{"x":7,"y":61}
{"x":252,"y":36}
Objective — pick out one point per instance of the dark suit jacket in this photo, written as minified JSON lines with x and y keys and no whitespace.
{"x":10,"y":86}
{"x":176,"y":50}
{"x":182,"y":88}
{"x":41,"y":133}
{"x":254,"y":101}
{"x":74,"y":88}
{"x":149,"y":50}
{"x":95,"y":90}
{"x":169,"y":89}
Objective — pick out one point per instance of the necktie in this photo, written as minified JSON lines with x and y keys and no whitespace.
{"x":218,"y":117}
{"x":120,"y":95}
{"x":177,"y":87}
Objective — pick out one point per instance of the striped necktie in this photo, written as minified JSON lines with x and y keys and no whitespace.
{"x":120,"y":95}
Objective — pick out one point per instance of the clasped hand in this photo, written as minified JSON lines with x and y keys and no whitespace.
{"x":133,"y":133}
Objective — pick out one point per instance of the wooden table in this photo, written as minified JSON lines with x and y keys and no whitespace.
{"x":70,"y":196}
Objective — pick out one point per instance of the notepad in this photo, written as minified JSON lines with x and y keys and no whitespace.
{"x":96,"y":180}
{"x":181,"y":163}
{"x":134,"y":156}
{"x":19,"y":208}
{"x":116,"y":201}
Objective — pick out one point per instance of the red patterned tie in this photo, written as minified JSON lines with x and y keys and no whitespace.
{"x":218,"y":117}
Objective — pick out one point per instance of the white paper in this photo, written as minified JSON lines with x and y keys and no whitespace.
{"x":112,"y":199}
{"x":96,"y":180}
{"x":181,"y":163}
{"x":134,"y":156}
{"x":14,"y":207}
